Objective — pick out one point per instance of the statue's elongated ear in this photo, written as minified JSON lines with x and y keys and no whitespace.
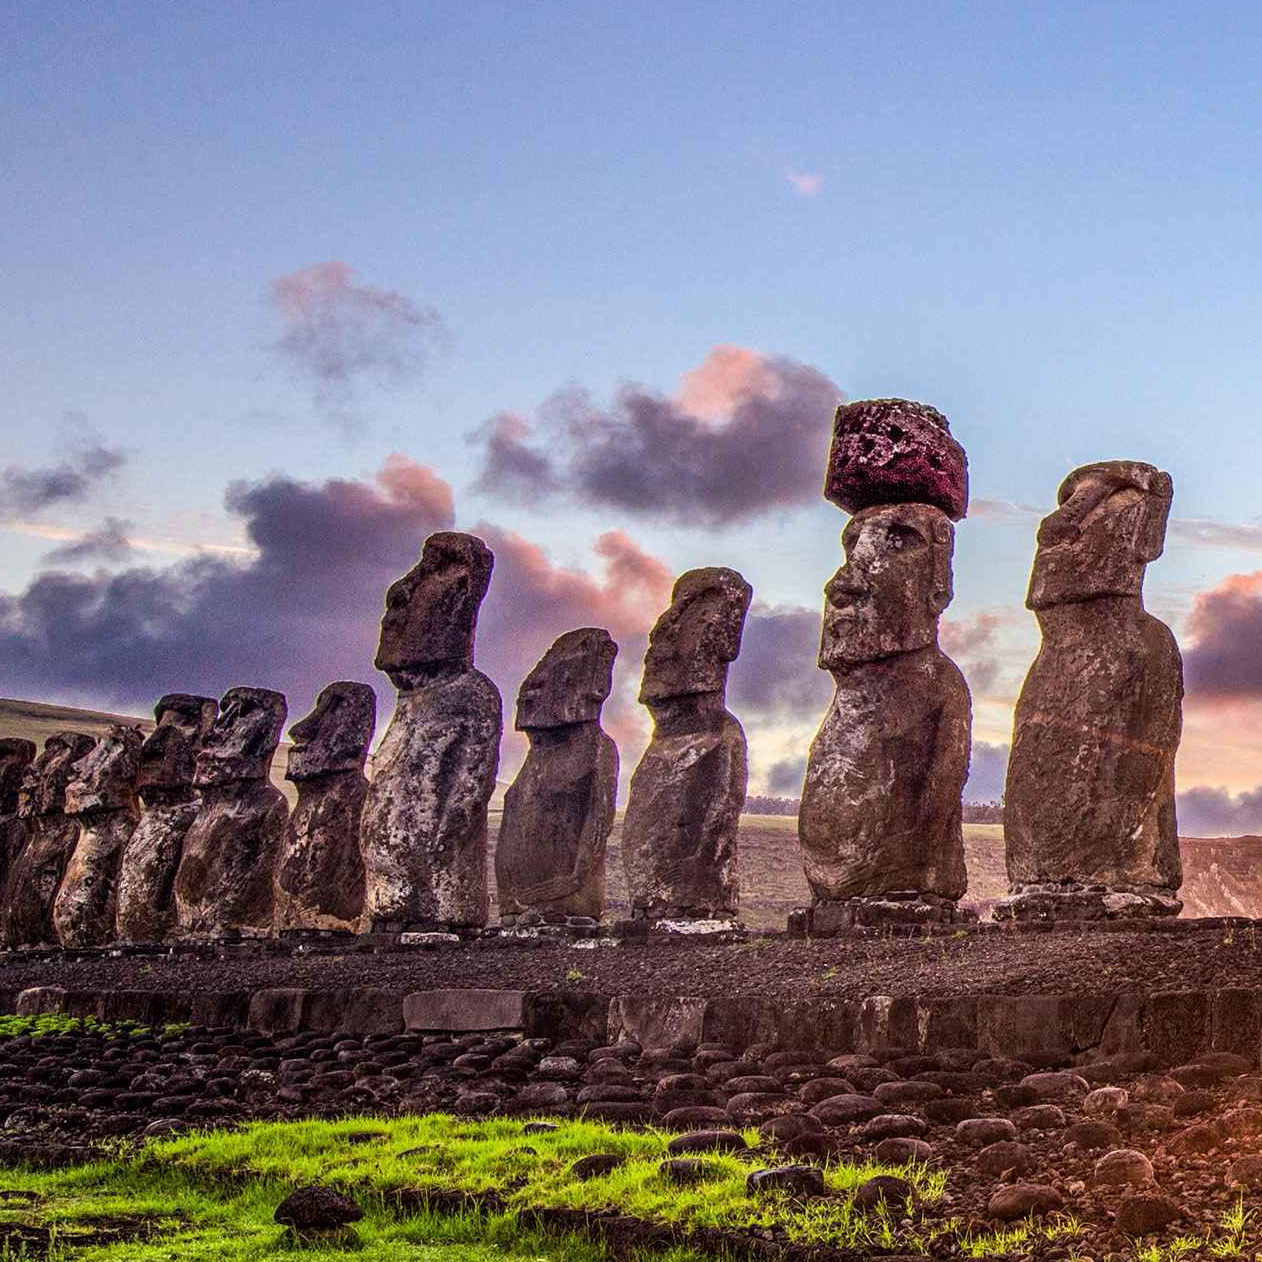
{"x":1152,"y":537}
{"x":943,"y":589}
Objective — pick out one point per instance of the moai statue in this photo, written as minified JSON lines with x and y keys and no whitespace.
{"x":550,"y":859}
{"x":880,"y":821}
{"x":15,"y":757}
{"x":423,"y":831}
{"x":320,"y":874}
{"x":223,"y":887}
{"x":1089,"y":818}
{"x":35,"y":875}
{"x":679,"y":833}
{"x":102,"y":796}
{"x":146,"y":877}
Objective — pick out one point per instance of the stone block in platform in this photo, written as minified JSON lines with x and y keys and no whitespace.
{"x":464,"y":1011}
{"x":566,"y":1014}
{"x":1235,"y":1023}
{"x":656,"y":1020}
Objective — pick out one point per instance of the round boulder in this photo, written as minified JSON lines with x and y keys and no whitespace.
{"x":1020,"y":1200}
{"x":1123,"y":1166}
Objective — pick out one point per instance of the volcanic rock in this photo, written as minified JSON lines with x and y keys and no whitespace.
{"x":558,"y":812}
{"x":1019,"y":1200}
{"x":15,"y":756}
{"x":423,"y":831}
{"x":145,"y":907}
{"x":320,"y":871}
{"x":224,"y":884}
{"x":679,"y":831}
{"x":882,"y":803}
{"x":1089,"y":818}
{"x":893,"y":451}
{"x":102,"y":796}
{"x":26,"y":910}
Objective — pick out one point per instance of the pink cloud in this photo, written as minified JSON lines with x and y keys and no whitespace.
{"x":804,"y":183}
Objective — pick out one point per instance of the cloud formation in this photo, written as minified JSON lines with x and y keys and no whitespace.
{"x":87,"y":464}
{"x":804,"y":183}
{"x":1200,"y":532}
{"x":748,"y":434}
{"x":787,"y":776}
{"x":987,"y":771}
{"x":301,"y":611}
{"x":1206,"y":812}
{"x":109,"y":542}
{"x":340,"y":335}
{"x":776,"y":674}
{"x":970,"y":642}
{"x":1225,"y":624}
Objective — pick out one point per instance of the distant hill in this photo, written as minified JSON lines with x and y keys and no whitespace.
{"x":1222,"y":875}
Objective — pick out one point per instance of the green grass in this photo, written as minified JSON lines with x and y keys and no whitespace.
{"x":51,"y":1023}
{"x":212,"y":1195}
{"x":441,"y":1152}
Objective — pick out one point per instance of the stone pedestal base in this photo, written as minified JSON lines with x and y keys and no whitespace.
{"x":905,"y":909}
{"x":1065,"y":901}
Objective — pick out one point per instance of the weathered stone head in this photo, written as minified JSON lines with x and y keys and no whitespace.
{"x":335,"y":735}
{"x":896,"y":582}
{"x":43,"y":789}
{"x":105,"y":780}
{"x":1111,"y":522}
{"x":432,"y":611}
{"x":693,"y":642}
{"x":570,"y":682}
{"x":893,"y":451}
{"x":15,"y":757}
{"x":169,"y":755}
{"x":243,"y":739}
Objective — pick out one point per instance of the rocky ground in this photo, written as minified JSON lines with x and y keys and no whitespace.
{"x":1204,"y":956}
{"x":1126,"y":1147}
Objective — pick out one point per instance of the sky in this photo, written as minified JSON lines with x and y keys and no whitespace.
{"x":290,"y":286}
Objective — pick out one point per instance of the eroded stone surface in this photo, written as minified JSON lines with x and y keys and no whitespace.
{"x":882,"y":803}
{"x":559,"y":810}
{"x":893,"y":451}
{"x":224,"y":884}
{"x":102,"y":796}
{"x":1090,"y":791}
{"x":423,"y":831}
{"x":169,"y":804}
{"x":16,"y":756}
{"x":34,"y":877}
{"x":320,"y":874}
{"x":679,"y":833}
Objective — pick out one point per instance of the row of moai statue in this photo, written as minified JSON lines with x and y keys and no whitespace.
{"x":182,"y":836}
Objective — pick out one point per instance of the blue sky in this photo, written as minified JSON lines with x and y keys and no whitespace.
{"x":1041,"y":219}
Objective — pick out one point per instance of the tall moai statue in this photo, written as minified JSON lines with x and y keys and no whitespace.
{"x":320,"y":874}
{"x":169,"y":805}
{"x":16,"y":756}
{"x":558,"y":812}
{"x":880,"y":823}
{"x":1089,"y":818}
{"x":224,"y":884}
{"x":423,"y":832}
{"x":35,"y":875}
{"x":679,"y":832}
{"x":102,"y":796}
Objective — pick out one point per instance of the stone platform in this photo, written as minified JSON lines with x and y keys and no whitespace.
{"x":1064,"y":994}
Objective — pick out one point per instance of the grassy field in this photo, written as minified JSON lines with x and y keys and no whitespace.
{"x":213,"y":1195}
